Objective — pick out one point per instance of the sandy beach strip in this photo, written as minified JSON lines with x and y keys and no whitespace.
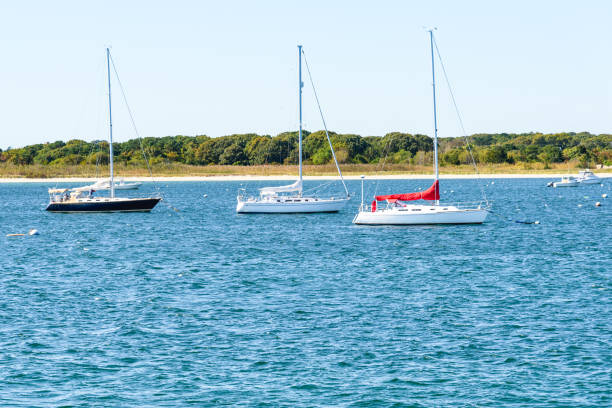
{"x":263,"y":178}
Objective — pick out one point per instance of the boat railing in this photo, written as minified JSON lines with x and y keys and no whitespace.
{"x":463,"y":205}
{"x":242,"y":194}
{"x":470,"y":205}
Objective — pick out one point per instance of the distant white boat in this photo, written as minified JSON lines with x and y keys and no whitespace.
{"x":566,"y":181}
{"x":103,"y":185}
{"x":587,"y":177}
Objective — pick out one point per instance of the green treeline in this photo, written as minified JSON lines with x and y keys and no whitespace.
{"x":253,"y":149}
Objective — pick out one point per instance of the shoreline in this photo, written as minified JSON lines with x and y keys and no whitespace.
{"x":293,"y":177}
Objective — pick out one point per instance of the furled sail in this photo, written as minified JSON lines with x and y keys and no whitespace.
{"x":432,"y":193}
{"x":297,"y":186}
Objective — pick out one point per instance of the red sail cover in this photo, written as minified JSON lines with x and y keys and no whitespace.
{"x":432,"y":193}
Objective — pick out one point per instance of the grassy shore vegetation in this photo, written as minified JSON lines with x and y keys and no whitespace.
{"x":252,"y":154}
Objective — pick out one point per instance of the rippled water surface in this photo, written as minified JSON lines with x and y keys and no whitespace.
{"x":206,"y":307}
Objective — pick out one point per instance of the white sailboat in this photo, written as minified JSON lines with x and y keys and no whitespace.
{"x":397,"y":212}
{"x":290,"y":198}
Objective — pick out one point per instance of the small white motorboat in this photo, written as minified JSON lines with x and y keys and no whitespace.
{"x":566,"y":181}
{"x":103,"y":185}
{"x":587,"y":177}
{"x":123,"y":185}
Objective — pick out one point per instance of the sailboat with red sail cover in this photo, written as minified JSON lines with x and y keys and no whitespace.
{"x":396,"y":211}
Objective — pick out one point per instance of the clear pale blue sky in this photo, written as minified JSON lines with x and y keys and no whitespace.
{"x":223,"y":67}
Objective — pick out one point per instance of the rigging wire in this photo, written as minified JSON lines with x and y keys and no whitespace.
{"x":460,"y":119}
{"x":320,"y":188}
{"x":140,"y":138}
{"x":133,"y":123}
{"x":324,"y":124}
{"x":387,"y":149}
{"x":98,"y":156}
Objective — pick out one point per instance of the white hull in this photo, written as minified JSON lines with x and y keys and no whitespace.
{"x":588,"y":177}
{"x":590,"y":181}
{"x":421,"y":215}
{"x":566,"y":184}
{"x":118,"y":186}
{"x":105,"y":186}
{"x":291,"y":205}
{"x":128,"y":186}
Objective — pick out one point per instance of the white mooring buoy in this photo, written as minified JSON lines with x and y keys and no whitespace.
{"x":598,"y":204}
{"x":30,"y":232}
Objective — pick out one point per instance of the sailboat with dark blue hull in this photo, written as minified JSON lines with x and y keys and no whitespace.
{"x":82,"y":203}
{"x":82,"y":199}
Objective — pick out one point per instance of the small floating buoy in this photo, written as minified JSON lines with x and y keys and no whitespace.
{"x":205,"y":195}
{"x":604,"y":196}
{"x":598,"y":204}
{"x":579,"y":205}
{"x":537,"y":222}
{"x":492,"y":182}
{"x":30,"y":232}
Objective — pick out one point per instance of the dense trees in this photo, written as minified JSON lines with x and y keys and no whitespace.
{"x":584,"y":147}
{"x":395,"y":147}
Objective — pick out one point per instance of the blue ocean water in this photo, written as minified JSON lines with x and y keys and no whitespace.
{"x":204,"y":307}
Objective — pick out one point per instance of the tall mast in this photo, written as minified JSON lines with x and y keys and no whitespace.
{"x":301,"y":84}
{"x":110,"y":125}
{"x":433,"y":76}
